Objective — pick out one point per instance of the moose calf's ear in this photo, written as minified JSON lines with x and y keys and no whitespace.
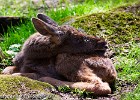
{"x":43,"y":28}
{"x":46,"y":19}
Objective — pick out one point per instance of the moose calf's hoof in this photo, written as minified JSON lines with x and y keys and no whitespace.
{"x":9,"y":70}
{"x":29,"y":75}
{"x":104,"y":89}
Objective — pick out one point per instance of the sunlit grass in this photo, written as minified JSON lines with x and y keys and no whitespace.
{"x":28,"y":8}
{"x":17,"y":35}
{"x":87,"y":7}
{"x":128,"y":68}
{"x":128,"y":65}
{"x":14,"y":36}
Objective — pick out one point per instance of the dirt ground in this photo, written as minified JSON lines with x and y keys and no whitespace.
{"x":122,"y":88}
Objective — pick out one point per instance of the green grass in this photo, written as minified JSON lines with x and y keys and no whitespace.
{"x":17,"y":35}
{"x":135,"y":95}
{"x":127,"y":60}
{"x":87,"y":7}
{"x":128,"y":65}
{"x":128,"y":68}
{"x":16,"y":8}
{"x":28,"y":9}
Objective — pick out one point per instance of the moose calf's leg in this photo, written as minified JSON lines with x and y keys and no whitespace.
{"x":97,"y":88}
{"x":10,"y":70}
{"x":29,"y":75}
{"x":52,"y":81}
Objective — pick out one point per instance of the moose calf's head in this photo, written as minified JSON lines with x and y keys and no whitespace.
{"x":68,"y":38}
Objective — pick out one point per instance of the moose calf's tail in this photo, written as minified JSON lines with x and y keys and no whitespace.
{"x":97,"y":88}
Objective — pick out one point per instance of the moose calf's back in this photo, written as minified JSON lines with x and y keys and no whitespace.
{"x":38,"y":46}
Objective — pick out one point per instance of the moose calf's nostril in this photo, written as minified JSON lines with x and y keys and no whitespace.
{"x":106,"y":47}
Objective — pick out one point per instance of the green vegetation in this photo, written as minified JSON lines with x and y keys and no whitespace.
{"x":29,"y":9}
{"x":128,"y":64}
{"x":17,"y":8}
{"x":128,"y":68}
{"x":117,"y":21}
{"x":15,"y":36}
{"x":81,"y":93}
{"x":64,"y":88}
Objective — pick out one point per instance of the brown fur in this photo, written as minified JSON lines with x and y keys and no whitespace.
{"x":85,"y":68}
{"x":58,"y":53}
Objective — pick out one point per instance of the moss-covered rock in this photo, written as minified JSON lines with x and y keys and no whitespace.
{"x":116,"y":27}
{"x":13,"y":87}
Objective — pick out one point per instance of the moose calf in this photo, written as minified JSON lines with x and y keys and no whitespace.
{"x":62,"y":55}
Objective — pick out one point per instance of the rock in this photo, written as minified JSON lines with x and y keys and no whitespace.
{"x":6,"y":22}
{"x":21,"y":88}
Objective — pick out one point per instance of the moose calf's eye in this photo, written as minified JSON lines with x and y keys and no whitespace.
{"x":59,"y":33}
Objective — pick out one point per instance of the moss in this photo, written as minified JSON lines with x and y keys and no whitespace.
{"x":21,"y":86}
{"x":117,"y":28}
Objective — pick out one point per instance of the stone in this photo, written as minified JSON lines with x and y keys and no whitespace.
{"x":6,"y":22}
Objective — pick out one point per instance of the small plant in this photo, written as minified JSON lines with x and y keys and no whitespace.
{"x":64,"y":89}
{"x":78,"y":91}
{"x":13,"y":50}
{"x":81,"y":93}
{"x":6,"y":62}
{"x":10,"y":54}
